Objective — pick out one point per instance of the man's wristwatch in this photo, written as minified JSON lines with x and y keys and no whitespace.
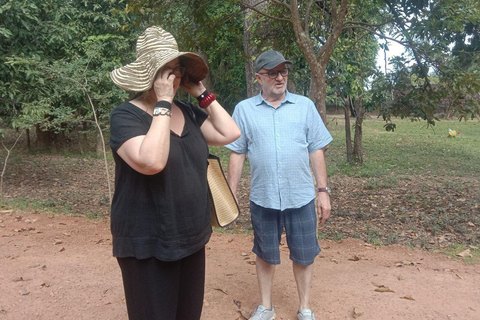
{"x":326,"y":189}
{"x":159,"y":111}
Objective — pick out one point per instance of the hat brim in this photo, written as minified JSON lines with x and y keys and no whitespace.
{"x":272,"y":65}
{"x":139,"y":75}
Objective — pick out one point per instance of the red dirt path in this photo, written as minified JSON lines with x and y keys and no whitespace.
{"x":62,"y":268}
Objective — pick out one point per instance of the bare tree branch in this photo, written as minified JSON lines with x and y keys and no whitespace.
{"x":282,"y":3}
{"x":354,"y":23}
{"x":307,"y":17}
{"x":244,"y":5}
{"x":5,"y":163}
{"x":338,"y":16}
{"x":405,"y":44}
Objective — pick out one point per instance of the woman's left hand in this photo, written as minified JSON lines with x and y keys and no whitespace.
{"x":193,"y":88}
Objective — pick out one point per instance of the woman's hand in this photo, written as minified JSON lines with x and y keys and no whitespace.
{"x":163,"y":85}
{"x":193,"y":88}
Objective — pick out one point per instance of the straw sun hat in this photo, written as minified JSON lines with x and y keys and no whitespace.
{"x":155,"y":48}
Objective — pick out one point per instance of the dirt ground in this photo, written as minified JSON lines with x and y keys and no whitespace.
{"x":59,"y":267}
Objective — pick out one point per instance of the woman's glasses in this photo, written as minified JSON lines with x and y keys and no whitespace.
{"x":179,"y":71}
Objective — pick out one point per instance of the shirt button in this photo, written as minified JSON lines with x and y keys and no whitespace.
{"x":278,"y":135}
{"x":278,"y":148}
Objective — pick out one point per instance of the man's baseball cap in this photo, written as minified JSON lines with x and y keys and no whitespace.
{"x":269,"y":60}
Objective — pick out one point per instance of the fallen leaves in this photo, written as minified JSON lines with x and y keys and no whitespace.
{"x":408,"y":297}
{"x":24,"y":292}
{"x":357,"y":313}
{"x":24,"y":229}
{"x":224,"y":291}
{"x":464,"y":254}
{"x":244,"y":313}
{"x":382,"y":288}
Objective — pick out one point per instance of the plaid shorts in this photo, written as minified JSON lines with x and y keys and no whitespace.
{"x":300,"y":226}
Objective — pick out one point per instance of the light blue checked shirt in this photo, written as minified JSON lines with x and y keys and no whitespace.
{"x":278,"y":142}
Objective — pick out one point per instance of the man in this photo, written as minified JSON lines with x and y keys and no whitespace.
{"x":282,"y":133}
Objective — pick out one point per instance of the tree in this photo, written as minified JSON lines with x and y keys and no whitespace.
{"x":212,"y":29}
{"x":48,"y":49}
{"x":443,"y":40}
{"x":317,"y":25}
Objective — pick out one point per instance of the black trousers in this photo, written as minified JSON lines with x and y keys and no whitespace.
{"x":159,"y":290}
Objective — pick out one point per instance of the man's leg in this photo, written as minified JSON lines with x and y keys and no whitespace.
{"x":301,"y":227}
{"x":303,"y":277}
{"x":265,"y":273}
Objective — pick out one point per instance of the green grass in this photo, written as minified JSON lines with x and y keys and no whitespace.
{"x":48,"y":204}
{"x":453,"y":250}
{"x":412,"y":149}
{"x":224,"y":155}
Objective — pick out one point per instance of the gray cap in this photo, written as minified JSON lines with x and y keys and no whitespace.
{"x":269,"y":60}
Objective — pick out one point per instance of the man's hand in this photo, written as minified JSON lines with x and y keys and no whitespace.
{"x":322,"y":203}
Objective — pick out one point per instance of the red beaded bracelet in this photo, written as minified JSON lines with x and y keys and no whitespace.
{"x":207,"y":100}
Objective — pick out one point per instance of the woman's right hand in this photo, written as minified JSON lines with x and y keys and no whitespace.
{"x":163,"y":85}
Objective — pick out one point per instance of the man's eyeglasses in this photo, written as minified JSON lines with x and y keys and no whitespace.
{"x":274,"y":74}
{"x":179,"y":71}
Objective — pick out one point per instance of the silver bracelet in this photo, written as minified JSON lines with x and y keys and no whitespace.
{"x":158,"y":111}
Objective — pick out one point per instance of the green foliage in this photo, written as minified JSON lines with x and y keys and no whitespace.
{"x":53,"y":54}
{"x":442,"y":70}
{"x":353,"y":60}
{"x":212,"y":29}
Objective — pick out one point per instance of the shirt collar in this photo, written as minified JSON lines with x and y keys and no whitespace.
{"x":289,"y":98}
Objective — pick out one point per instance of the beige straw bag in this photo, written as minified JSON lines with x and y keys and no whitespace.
{"x":224,"y":207}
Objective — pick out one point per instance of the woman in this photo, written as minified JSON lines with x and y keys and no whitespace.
{"x":160,"y":212}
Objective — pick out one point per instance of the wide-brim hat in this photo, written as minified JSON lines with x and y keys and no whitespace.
{"x":155,"y":48}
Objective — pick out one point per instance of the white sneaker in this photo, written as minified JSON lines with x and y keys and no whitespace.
{"x":305,"y":314}
{"x":262,"y":313}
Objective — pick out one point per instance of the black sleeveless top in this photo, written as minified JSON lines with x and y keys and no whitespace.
{"x":166,"y":215}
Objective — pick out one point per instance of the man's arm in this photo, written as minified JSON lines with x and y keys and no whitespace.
{"x":322,"y":200}
{"x":235,"y":168}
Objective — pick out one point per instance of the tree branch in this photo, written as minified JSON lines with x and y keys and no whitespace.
{"x":405,"y":44}
{"x":5,"y":163}
{"x":368,"y":24}
{"x":263,"y":13}
{"x":307,"y":16}
{"x":282,"y":3}
{"x":338,"y":18}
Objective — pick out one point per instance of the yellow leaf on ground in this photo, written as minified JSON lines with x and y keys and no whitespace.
{"x":383,"y":289}
{"x":465,"y":254}
{"x":357,"y":313}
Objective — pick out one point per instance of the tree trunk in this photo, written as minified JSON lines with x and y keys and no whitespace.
{"x":318,"y":59}
{"x":29,"y":142}
{"x":43,"y":141}
{"x":253,"y":87}
{"x":348,"y":131}
{"x":59,"y":141}
{"x":357,"y":142}
{"x":99,"y":147}
{"x":318,"y":90}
